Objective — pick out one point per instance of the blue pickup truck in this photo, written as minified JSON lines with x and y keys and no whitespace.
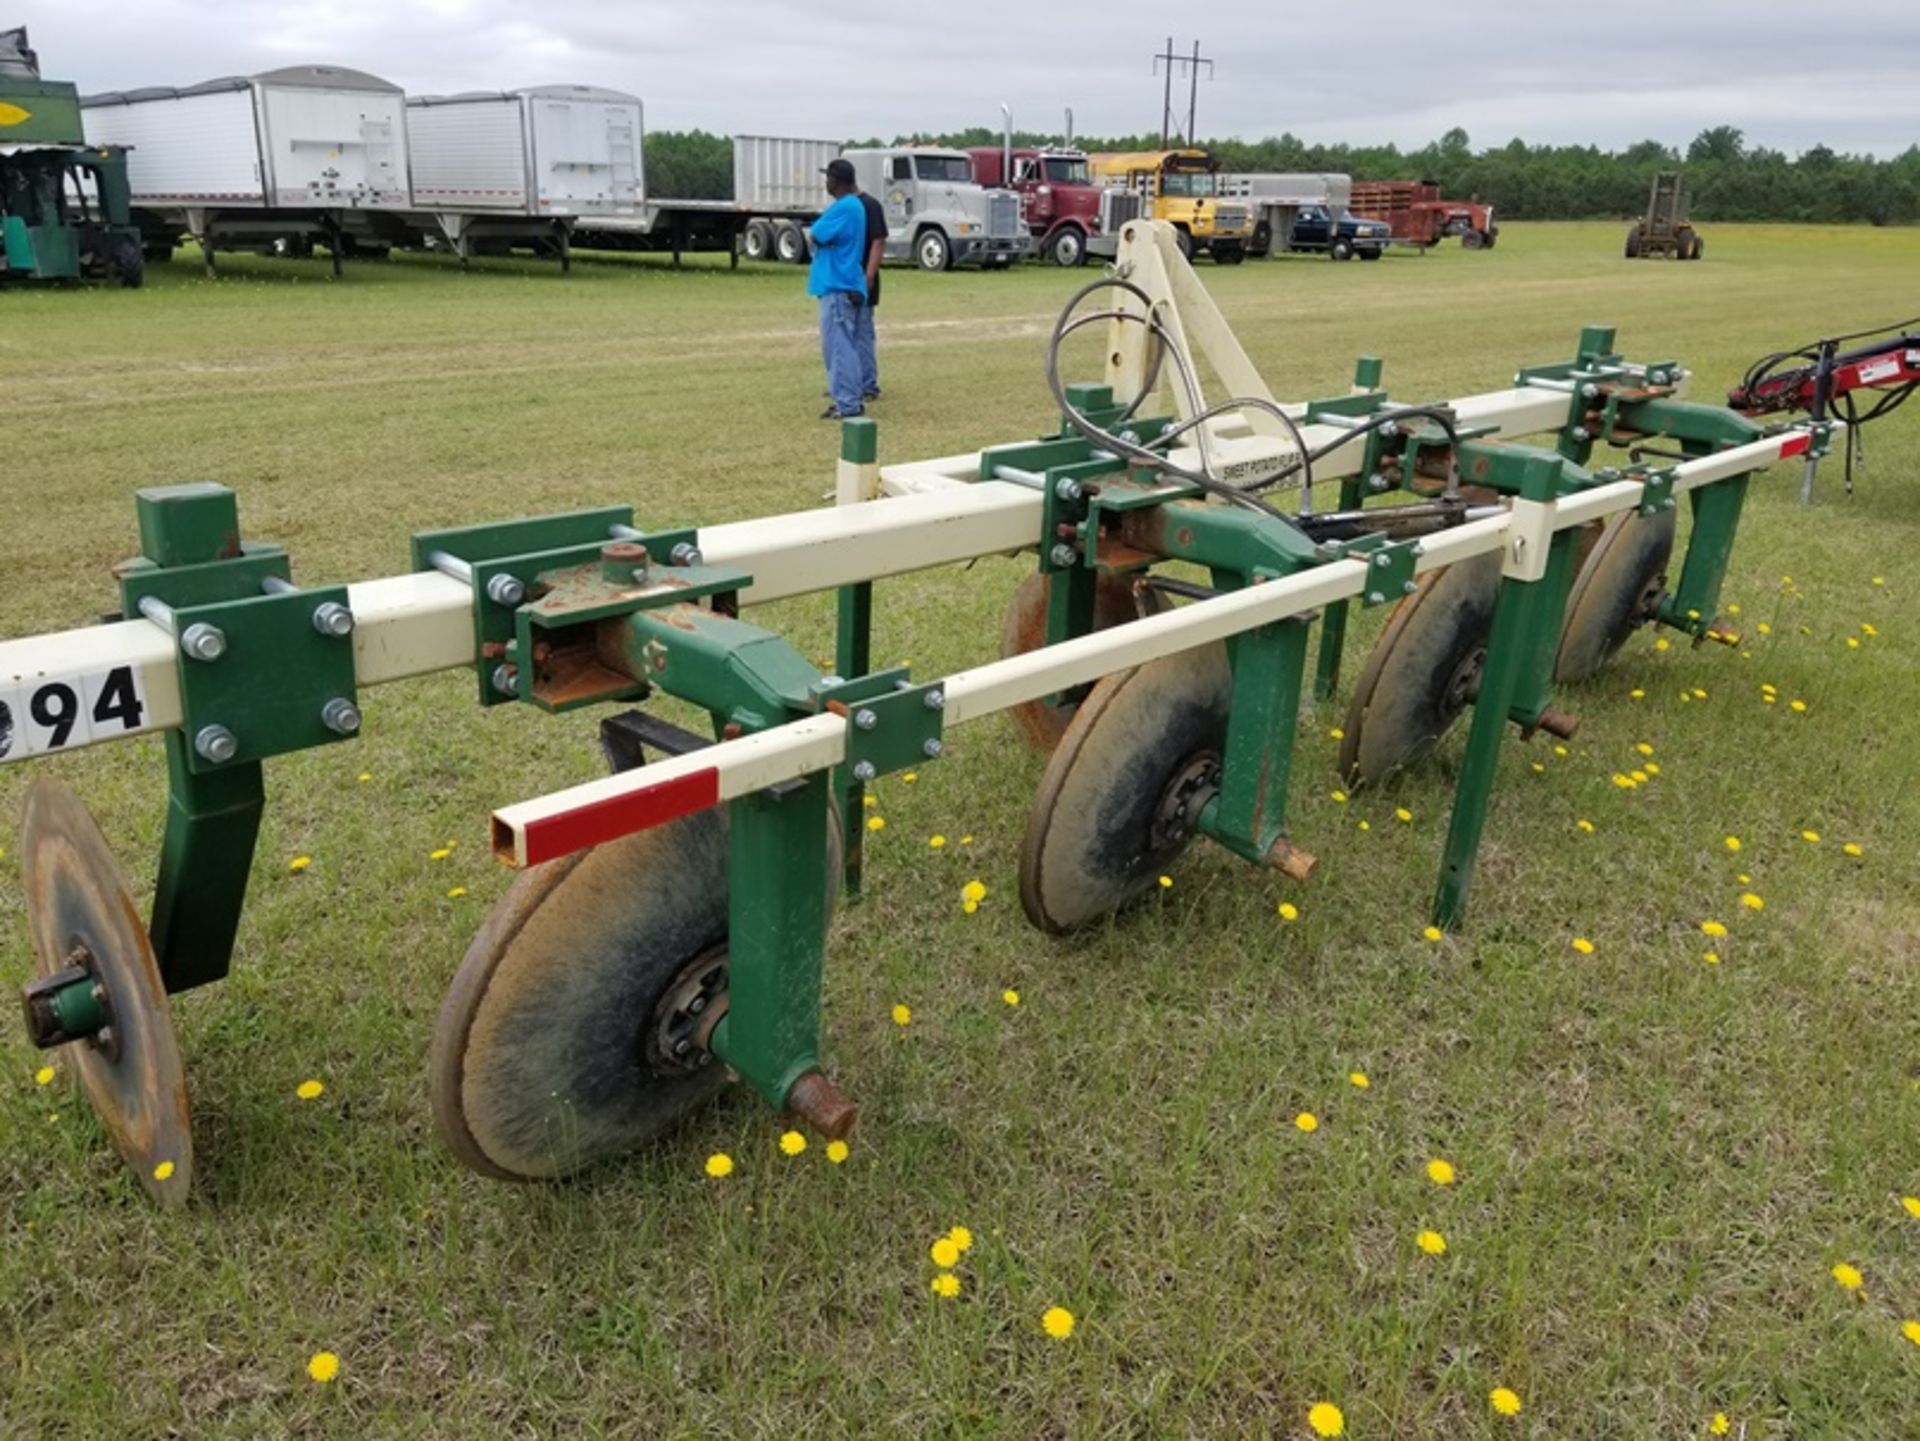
{"x":1315,"y":230}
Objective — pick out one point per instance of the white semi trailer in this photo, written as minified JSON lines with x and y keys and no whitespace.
{"x":280,"y":159}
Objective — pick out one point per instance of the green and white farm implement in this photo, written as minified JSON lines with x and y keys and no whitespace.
{"x":670,"y":922}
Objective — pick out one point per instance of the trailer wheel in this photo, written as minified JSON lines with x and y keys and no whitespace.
{"x":1340,"y":250}
{"x":1473,"y":239}
{"x":758,"y":243}
{"x":1633,"y":243}
{"x":1262,"y":242}
{"x":932,"y":252}
{"x":1371,"y":254}
{"x":1227,"y":254}
{"x":789,"y":244}
{"x":127,"y":261}
{"x":1067,"y":247}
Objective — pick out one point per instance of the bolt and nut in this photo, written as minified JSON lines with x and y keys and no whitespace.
{"x":506,"y":679}
{"x":685,"y":554}
{"x":864,"y":771}
{"x":217,"y":744}
{"x":865,"y":719}
{"x":203,"y":642}
{"x":1067,"y":488}
{"x":506,"y":590}
{"x":1063,"y":556}
{"x":1581,"y":435}
{"x":931,"y":748}
{"x":341,"y":716}
{"x":333,"y":619}
{"x":935,"y":699}
{"x":1374,"y":597}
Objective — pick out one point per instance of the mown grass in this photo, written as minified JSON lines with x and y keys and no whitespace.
{"x":1659,"y":1160}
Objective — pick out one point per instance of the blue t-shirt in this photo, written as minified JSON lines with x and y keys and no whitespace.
{"x":839,"y":246}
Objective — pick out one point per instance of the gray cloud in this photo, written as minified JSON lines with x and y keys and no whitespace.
{"x":1394,"y":70}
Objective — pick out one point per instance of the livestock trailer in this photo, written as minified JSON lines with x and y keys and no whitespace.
{"x":274,"y":161}
{"x":1420,"y":216}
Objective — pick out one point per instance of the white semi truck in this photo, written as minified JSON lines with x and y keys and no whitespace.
{"x":937,"y":215}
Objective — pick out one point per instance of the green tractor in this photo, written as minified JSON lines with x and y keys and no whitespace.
{"x":65,"y":208}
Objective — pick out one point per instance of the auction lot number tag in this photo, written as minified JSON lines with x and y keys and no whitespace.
{"x":67,"y":711}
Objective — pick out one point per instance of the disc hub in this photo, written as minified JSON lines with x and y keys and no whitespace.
{"x":672,"y":1042}
{"x":1184,"y":797}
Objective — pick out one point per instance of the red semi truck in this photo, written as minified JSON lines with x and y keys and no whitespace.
{"x":1420,"y":217}
{"x":1069,"y":216}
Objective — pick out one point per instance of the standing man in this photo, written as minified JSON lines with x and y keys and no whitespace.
{"x":838,"y":279}
{"x":876,"y":248}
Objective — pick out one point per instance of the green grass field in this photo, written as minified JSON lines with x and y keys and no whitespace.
{"x":1659,"y":1160}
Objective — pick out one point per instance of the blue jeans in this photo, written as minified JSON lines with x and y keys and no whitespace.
{"x":840,"y":347}
{"x":869,"y":361}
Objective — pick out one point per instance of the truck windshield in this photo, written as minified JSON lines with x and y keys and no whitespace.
{"x":1186,"y":182}
{"x":952,"y":168}
{"x":1067,"y":172}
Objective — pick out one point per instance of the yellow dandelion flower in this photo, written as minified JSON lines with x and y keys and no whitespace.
{"x":1764,"y":628}
{"x":946,"y":1284}
{"x":1912,"y":1204}
{"x":719,"y":1164}
{"x":1733,"y":843}
{"x":1057,"y":1322}
{"x":1867,"y":628}
{"x":876,"y":823}
{"x":1853,"y":642}
{"x":1585,"y":825}
{"x":44,"y":1076}
{"x":1637,"y":694}
{"x":1166,"y":883}
{"x":1719,"y":1425}
{"x":1440,"y":1172}
{"x":869,"y":800}
{"x":1340,"y":797}
{"x":1752,"y":902}
{"x":1011,"y":997}
{"x":936,"y":843}
{"x":454,"y":893}
{"x":1652,"y":769}
{"x":1733,"y":610}
{"x":1561,"y":751}
{"x":902,"y":1015}
{"x":973,"y":891}
{"x":1433,"y":933}
{"x":1911,"y":1330}
{"x":1744,"y":879}
{"x":163,"y":1171}
{"x":1812,"y":838}
{"x":1337,"y":733}
{"x":1365,"y":827}
{"x":1624,"y":781}
{"x":299,"y":863}
{"x":1797,"y":705}
{"x":1432,"y":1242}
{"x":1848,"y":1276}
{"x":1715,"y":929}
{"x":1403,"y":815}
{"x":1644,"y":748}
{"x":1660,"y":644}
{"x":1287,"y":911}
{"x":441,"y":854}
{"x":837,"y":1152}
{"x":961,"y":1237}
{"x":1712,"y":958}
{"x":909,"y":778}
{"x":1307,"y":1121}
{"x":1852,"y":848}
{"x":1504,"y":1401}
{"x":1539,"y":769}
{"x":792,"y":1143}
{"x":1358,"y":1080}
{"x":1326,"y":1419}
{"x":1639,"y":778}
{"x":365,"y":776}
{"x":323,"y":1366}
{"x":310,"y":1090}
{"x":1879,"y":580}
{"x":1699,"y":694}
{"x":1770,"y":699}
{"x":969,"y":906}
{"x":966,"y":840}
{"x":1583,"y":945}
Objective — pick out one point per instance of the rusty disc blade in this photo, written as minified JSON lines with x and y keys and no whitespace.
{"x":1024,"y":628}
{"x":1616,"y":591}
{"x":79,"y":911}
{"x":1124,"y":787}
{"x":556,"y":1045}
{"x":1423,"y":671}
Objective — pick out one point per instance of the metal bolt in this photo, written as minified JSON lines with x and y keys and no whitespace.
{"x":1589,"y":391}
{"x":864,"y":771}
{"x":1374,"y":597}
{"x":682,"y":1046}
{"x":504,"y":589}
{"x":506,"y":680}
{"x":103,"y":1038}
{"x":935,"y":699}
{"x":217,"y":744}
{"x":341,"y":716}
{"x":865,"y":719}
{"x":1379,"y":484}
{"x":1131,"y":437}
{"x":931,"y":748}
{"x":1391,"y":427}
{"x":1670,"y":503}
{"x":827,"y":682}
{"x":203,"y":641}
{"x":696,"y":1005}
{"x":685,"y":554}
{"x":333,"y":619}
{"x":1380,"y":560}
{"x":1581,"y":435}
{"x":1067,"y":488}
{"x":1063,"y":556}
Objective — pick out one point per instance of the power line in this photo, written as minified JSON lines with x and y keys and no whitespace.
{"x":1188,"y":67}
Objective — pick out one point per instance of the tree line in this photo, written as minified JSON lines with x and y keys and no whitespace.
{"x":1726,"y":178}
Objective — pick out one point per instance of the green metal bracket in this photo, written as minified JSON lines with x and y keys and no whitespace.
{"x":1347,"y":406}
{"x":1248,"y":813}
{"x":191,"y":550}
{"x":893,"y":725}
{"x":1699,"y":429}
{"x":1656,"y":490}
{"x":213,"y":822}
{"x":1390,"y":566}
{"x":1694,"y":605}
{"x":748,"y":678}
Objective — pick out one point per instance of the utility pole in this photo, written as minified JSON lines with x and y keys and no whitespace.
{"x":1188,"y":67}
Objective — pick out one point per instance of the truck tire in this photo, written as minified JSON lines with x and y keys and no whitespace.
{"x":127,"y":261}
{"x":1231,"y":254}
{"x":757,"y":242}
{"x":789,"y":244}
{"x":1340,"y":250}
{"x":1184,"y":241}
{"x":1489,"y":235}
{"x":1473,"y":239}
{"x":1067,"y":247}
{"x":1373,"y":254}
{"x":1683,"y":243}
{"x":1633,"y":243}
{"x":1262,"y":242}
{"x":932,"y":252}
{"x":1699,"y":248}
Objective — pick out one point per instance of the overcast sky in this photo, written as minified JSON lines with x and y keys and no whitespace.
{"x":1789,"y":74}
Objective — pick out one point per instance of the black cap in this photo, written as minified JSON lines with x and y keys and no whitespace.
{"x":839,"y":169}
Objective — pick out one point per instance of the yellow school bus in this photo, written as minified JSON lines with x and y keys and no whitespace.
{"x":1181,"y":186}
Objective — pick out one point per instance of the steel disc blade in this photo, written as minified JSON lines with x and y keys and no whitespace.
{"x":78,"y":906}
{"x":1024,"y":628}
{"x":1616,"y":591}
{"x":1423,"y":671}
{"x":555,"y":1046}
{"x":1106,"y":820}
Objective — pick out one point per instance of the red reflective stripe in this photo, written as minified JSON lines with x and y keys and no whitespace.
{"x":1795,"y":444}
{"x":606,"y":820}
